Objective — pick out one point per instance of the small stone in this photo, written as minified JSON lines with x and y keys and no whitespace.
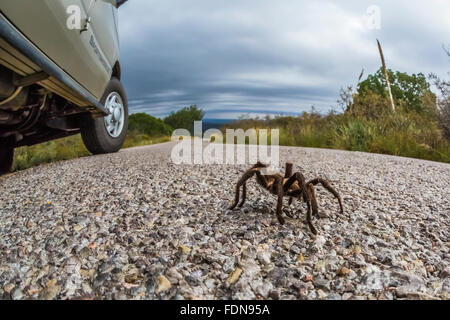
{"x":321,"y":294}
{"x":320,"y":266}
{"x":300,"y":258}
{"x":17,"y":294}
{"x":9,"y":287}
{"x":308,"y":278}
{"x":228,"y":265}
{"x":33,"y":291}
{"x":320,"y":241}
{"x":445,"y":273}
{"x":347,"y":296}
{"x":130,"y":285}
{"x":132,"y":277}
{"x":87,"y":273}
{"x":106,"y":267}
{"x":322,"y":283}
{"x":151,"y":285}
{"x":408,"y":292}
{"x":100,"y":280}
{"x":334,"y":296}
{"x":50,"y":292}
{"x":234,"y":276}
{"x":51,"y":282}
{"x":343,"y":271}
{"x":274,"y":294}
{"x":78,"y":227}
{"x":264,"y":289}
{"x":184,"y":249}
{"x":173,"y":275}
{"x":192,"y":281}
{"x":210,"y":283}
{"x":264,"y":257}
{"x":358,"y":298}
{"x":295,"y":249}
{"x":163,"y":284}
{"x":429,"y":268}
{"x":356,"y":249}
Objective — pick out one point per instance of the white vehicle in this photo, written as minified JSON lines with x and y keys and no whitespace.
{"x":60,"y":74}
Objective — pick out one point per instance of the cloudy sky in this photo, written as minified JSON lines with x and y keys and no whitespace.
{"x":237,"y":57}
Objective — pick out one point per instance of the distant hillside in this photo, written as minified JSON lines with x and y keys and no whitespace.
{"x":215,"y":123}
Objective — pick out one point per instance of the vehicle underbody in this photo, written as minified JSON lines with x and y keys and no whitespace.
{"x":49,"y":92}
{"x":30,"y":114}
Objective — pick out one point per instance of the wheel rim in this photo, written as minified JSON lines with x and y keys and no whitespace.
{"x":115,"y":120}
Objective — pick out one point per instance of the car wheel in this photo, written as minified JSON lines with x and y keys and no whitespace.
{"x":107,"y":134}
{"x":6,"y":160}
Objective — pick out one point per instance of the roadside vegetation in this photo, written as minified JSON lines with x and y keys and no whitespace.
{"x":143,"y":129}
{"x":417,"y":128}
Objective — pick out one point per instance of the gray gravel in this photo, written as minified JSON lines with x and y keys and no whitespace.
{"x":134,"y":226}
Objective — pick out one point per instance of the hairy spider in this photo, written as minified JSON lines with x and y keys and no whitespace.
{"x":291,"y":185}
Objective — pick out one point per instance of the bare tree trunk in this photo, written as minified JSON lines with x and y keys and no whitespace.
{"x":386,"y":75}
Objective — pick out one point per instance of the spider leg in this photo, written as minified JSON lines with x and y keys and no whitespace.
{"x":288,"y":172}
{"x":295,"y":194}
{"x":244,"y":195}
{"x":304,"y":189}
{"x":259,"y":165}
{"x":288,"y":184}
{"x":314,"y":205}
{"x":328,"y":186}
{"x":236,"y":199}
{"x":247,"y":175}
{"x":309,"y":212}
{"x":279,"y":182}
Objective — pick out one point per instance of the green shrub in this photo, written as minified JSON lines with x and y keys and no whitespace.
{"x":184,"y":118}
{"x":56,"y":150}
{"x":411,"y":90}
{"x":402,"y":133}
{"x":135,"y":139}
{"x":146,"y":124}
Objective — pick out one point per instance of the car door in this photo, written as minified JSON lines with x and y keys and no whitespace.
{"x":104,"y":23}
{"x":76,"y":51}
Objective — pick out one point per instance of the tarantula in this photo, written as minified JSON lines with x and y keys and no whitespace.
{"x":291,"y":185}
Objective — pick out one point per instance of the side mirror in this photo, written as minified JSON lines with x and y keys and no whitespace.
{"x":120,"y":2}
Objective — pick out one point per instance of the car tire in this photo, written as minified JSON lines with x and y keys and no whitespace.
{"x":107,"y":134}
{"x":6,"y":160}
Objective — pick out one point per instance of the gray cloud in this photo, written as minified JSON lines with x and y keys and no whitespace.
{"x":268,"y":57}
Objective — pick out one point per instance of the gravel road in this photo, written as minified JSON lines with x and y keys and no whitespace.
{"x":132,"y":225}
